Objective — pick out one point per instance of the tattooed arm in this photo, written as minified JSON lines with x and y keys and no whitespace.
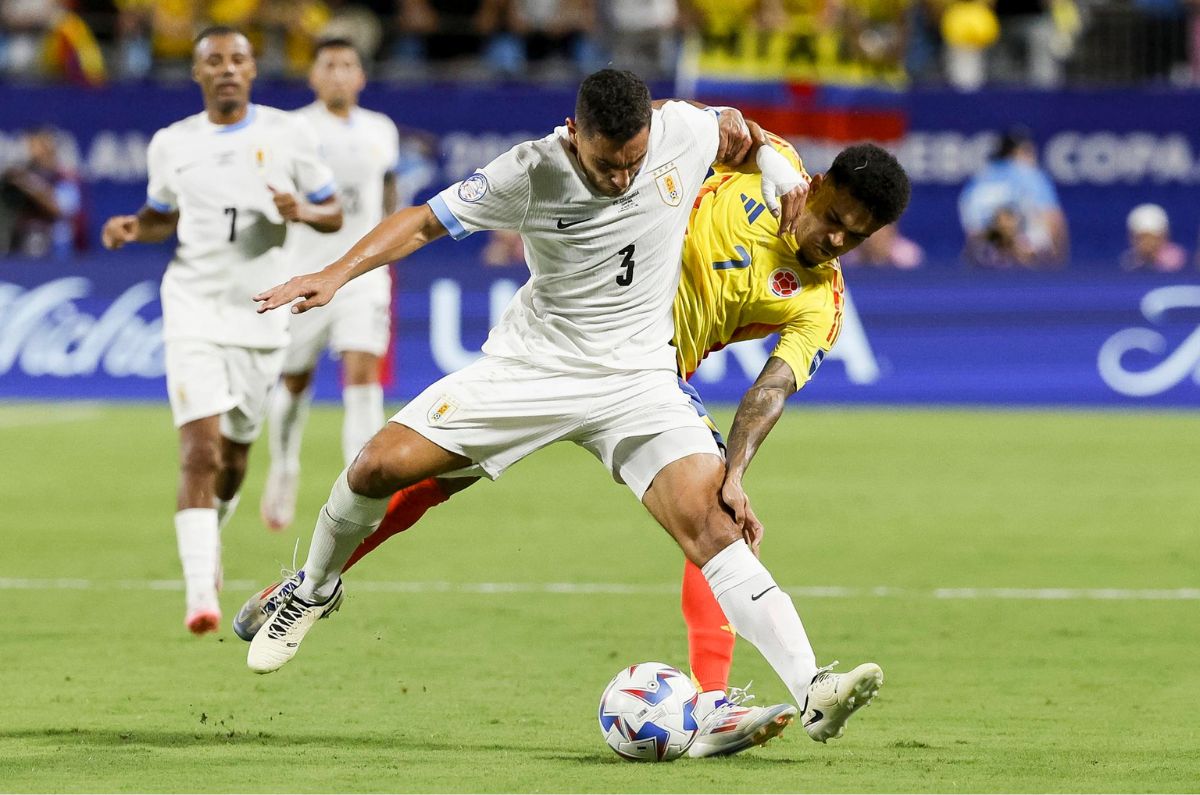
{"x":757,"y":413}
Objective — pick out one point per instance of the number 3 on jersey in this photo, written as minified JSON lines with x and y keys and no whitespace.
{"x":625,"y":279}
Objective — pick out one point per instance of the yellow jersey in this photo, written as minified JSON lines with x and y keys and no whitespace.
{"x":741,"y":281}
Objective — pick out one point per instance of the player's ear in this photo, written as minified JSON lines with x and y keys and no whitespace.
{"x":814,"y":185}
{"x":572,"y":130}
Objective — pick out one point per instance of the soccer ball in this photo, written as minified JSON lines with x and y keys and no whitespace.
{"x":647,"y":713}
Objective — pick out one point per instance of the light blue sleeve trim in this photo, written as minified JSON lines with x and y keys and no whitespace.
{"x":322,"y":194}
{"x":158,"y":206}
{"x":447,"y":217}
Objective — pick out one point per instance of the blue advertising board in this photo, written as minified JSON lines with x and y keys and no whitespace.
{"x":1107,"y":151}
{"x":93,"y":330}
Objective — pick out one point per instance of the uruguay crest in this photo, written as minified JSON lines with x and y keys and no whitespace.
{"x":670,"y":186}
{"x":441,"y":410}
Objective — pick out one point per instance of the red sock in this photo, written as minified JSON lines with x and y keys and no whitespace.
{"x":407,"y":506}
{"x":710,"y":638}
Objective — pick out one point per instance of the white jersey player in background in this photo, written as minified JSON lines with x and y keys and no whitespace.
{"x":582,"y":354}
{"x":362,"y":147}
{"x":231,"y":182}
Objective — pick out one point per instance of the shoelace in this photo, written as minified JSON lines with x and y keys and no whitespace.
{"x":740,"y":695}
{"x":290,"y":582}
{"x":824,"y":672}
{"x":286,"y":575}
{"x":288,"y":615}
{"x":734,"y":700}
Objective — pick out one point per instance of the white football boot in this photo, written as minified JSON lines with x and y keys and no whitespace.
{"x":732,"y":727}
{"x":833,"y":698}
{"x":278,"y":505}
{"x":279,"y":638}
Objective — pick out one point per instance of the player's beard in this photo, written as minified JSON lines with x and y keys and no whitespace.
{"x":229,"y":106}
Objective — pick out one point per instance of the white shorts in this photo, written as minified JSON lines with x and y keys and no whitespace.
{"x":497,"y":411}
{"x":205,"y":379}
{"x":356,"y":321}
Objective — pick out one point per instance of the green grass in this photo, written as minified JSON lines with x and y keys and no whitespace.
{"x":452,"y":690}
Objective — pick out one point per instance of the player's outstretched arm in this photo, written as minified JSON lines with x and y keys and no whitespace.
{"x":397,"y":236}
{"x":760,"y":408}
{"x":148,"y":226}
{"x":323,"y":216}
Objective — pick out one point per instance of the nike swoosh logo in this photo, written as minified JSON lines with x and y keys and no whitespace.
{"x":186,"y":166}
{"x":561,"y":225}
{"x":817,"y":715}
{"x":759,"y":596}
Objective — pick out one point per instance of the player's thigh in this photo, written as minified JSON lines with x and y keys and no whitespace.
{"x":640,"y":423}
{"x":309,"y":333}
{"x":252,"y":373}
{"x":496,"y":411}
{"x":684,"y":498}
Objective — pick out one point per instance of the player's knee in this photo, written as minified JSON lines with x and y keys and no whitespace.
{"x":368,"y":474}
{"x":201,"y":457}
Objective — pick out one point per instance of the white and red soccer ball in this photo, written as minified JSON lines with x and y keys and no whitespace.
{"x":647,"y":713}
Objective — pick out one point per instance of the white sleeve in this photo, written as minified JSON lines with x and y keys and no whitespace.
{"x":310,"y":172}
{"x":160,"y":195}
{"x":704,"y":124}
{"x":494,"y":197}
{"x":392,"y":141}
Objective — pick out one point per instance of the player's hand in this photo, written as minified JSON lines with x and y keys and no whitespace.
{"x":735,"y":499}
{"x":316,"y":289}
{"x":119,"y":230}
{"x":287,"y":204}
{"x":785,"y":190}
{"x":735,"y":138}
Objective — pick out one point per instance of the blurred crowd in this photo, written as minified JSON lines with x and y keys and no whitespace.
{"x":965,"y":43}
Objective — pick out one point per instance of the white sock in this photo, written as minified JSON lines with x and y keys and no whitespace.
{"x":225,"y":509}
{"x":364,"y":416}
{"x":762,"y":614}
{"x":199,"y":551}
{"x":344,"y":521}
{"x":286,"y":417}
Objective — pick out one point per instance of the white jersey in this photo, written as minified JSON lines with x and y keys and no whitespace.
{"x":603,"y":270}
{"x":361,"y":150}
{"x":230,"y":234}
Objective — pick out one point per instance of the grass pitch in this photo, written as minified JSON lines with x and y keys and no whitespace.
{"x":1029,"y":581}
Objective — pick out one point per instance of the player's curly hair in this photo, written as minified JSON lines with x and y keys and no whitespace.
{"x":613,"y":103}
{"x":875,"y":178}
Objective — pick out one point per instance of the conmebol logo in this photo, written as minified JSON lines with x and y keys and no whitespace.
{"x":1173,"y":365}
{"x":44,"y":332}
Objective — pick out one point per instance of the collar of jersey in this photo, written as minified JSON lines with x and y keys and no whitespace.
{"x":251,"y":113}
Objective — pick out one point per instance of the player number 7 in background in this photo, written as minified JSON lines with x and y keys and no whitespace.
{"x":625,"y":279}
{"x":232,"y":213}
